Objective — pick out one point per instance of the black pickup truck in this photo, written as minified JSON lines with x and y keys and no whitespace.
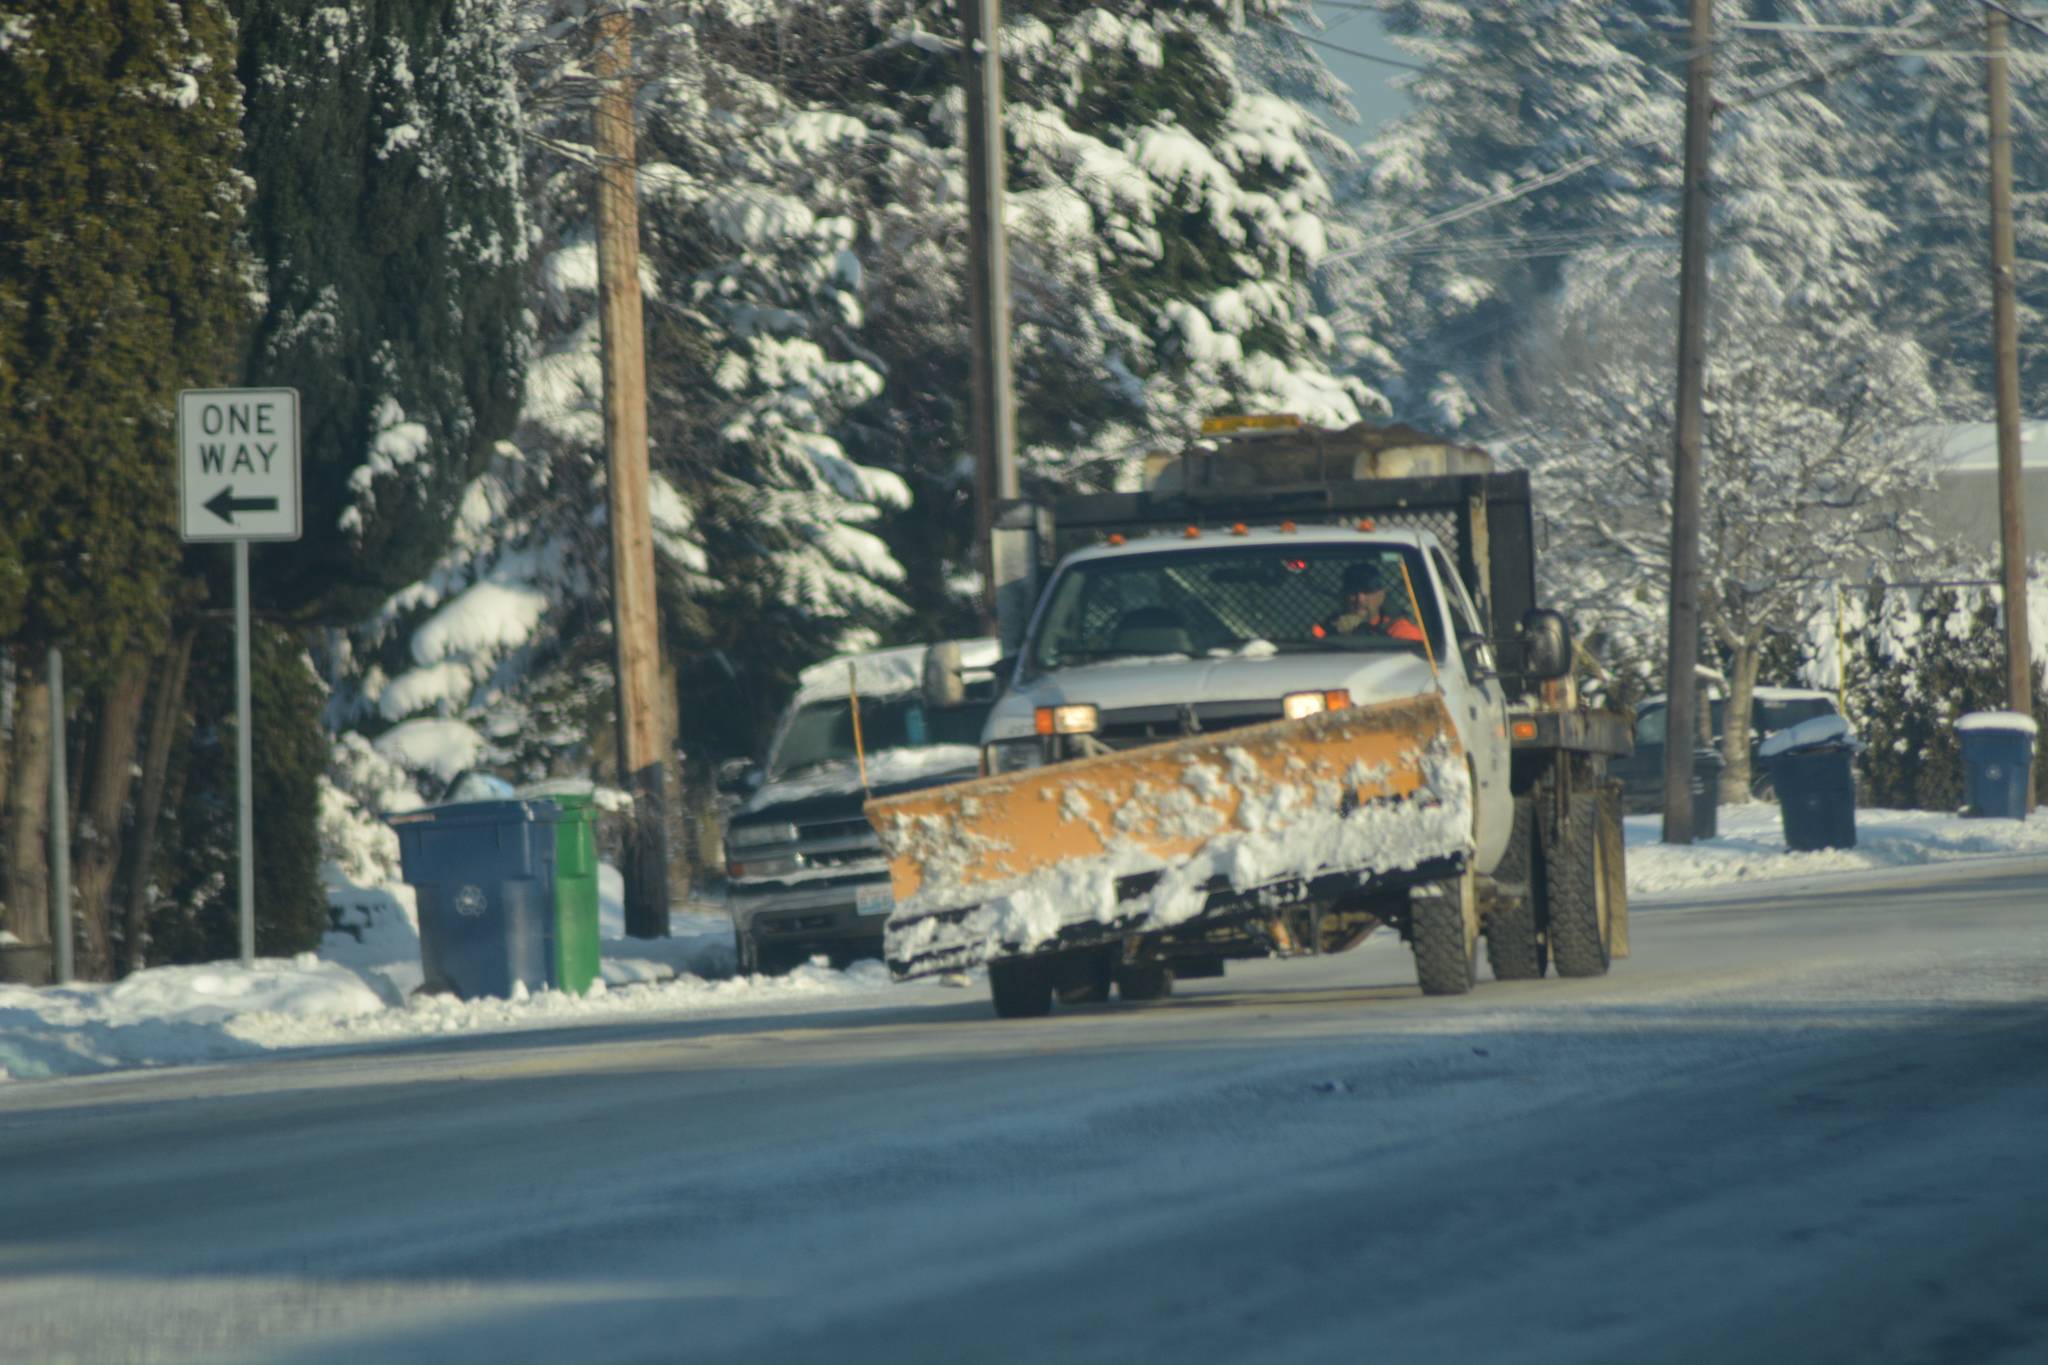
{"x":805,"y":872}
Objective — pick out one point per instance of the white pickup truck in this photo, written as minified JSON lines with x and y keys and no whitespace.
{"x":1371,"y":639}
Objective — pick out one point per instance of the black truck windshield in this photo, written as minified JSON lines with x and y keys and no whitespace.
{"x":1235,"y":599}
{"x":822,"y":732}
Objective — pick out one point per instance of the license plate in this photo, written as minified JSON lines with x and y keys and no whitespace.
{"x":874,"y":900}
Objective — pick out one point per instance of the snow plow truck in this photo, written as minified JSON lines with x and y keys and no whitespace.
{"x":1295,"y":689}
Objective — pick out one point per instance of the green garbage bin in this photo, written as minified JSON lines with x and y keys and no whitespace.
{"x":576,"y":955}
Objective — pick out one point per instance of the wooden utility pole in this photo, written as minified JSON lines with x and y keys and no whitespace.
{"x":1681,"y":682}
{"x":635,"y":630}
{"x":988,"y":290}
{"x":2005,"y":346}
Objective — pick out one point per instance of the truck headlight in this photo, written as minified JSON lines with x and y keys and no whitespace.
{"x":760,"y":836}
{"x":1065,"y":720}
{"x":1295,"y":705}
{"x":1013,"y":755}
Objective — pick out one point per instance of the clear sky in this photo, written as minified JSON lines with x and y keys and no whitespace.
{"x":1354,"y":26}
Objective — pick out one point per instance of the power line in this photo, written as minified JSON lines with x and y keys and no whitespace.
{"x":1525,"y":188}
{"x":1351,"y":51}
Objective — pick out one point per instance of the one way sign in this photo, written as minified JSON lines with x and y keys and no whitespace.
{"x":238,"y":464}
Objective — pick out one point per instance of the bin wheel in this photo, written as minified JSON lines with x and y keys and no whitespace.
{"x":1574,"y":892}
{"x":1020,"y":989}
{"x":1515,"y":946}
{"x":1143,"y":981}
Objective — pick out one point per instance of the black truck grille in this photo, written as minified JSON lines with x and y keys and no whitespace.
{"x":857,"y":828}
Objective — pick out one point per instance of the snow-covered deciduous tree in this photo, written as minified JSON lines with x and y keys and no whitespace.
{"x":1811,"y":472}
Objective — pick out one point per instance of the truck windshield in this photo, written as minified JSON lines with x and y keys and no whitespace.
{"x":1235,"y":600}
{"x":822,"y":732}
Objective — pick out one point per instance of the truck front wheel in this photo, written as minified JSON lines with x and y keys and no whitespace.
{"x":1021,"y":988}
{"x":1442,"y":932}
{"x":1574,"y":890}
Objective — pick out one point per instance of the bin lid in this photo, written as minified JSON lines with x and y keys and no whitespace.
{"x":1996,"y":720}
{"x":1807,"y":734}
{"x":478,"y":813}
{"x":570,"y":793}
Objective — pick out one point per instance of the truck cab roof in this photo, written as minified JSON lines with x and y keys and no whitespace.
{"x":1181,"y":542}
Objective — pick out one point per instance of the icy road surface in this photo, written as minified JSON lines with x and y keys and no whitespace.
{"x":1802,"y":1124}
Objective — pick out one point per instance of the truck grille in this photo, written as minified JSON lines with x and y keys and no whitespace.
{"x":845,"y":857}
{"x":826,"y":830}
{"x":1136,"y":726}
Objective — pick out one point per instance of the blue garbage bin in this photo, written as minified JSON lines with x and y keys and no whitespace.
{"x":484,"y":876}
{"x":1998,"y":754}
{"x":1813,"y":772}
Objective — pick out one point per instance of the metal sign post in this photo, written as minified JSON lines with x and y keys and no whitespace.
{"x":238,"y":481}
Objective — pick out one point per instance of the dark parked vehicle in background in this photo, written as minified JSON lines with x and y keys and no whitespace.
{"x":1771,"y":709}
{"x":804,"y":871}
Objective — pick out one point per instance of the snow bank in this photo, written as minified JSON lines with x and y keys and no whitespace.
{"x":1751,"y":847}
{"x":358,"y":988}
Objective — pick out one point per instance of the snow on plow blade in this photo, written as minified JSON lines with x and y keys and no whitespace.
{"x":1145,"y":839}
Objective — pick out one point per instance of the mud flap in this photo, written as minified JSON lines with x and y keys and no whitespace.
{"x":1614,"y":870}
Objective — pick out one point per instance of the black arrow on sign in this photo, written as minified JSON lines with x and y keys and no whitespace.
{"x":225,"y":504}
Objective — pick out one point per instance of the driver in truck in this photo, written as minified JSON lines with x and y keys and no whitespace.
{"x":1362,"y":603}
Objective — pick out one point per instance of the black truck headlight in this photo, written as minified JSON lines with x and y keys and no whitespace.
{"x":1013,"y":755}
{"x":759,"y":836}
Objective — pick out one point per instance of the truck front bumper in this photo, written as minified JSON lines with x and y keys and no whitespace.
{"x":844,"y":918}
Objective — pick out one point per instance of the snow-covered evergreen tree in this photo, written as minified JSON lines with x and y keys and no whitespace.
{"x":804,"y":220}
{"x":389,"y":227}
{"x":1539,"y":131}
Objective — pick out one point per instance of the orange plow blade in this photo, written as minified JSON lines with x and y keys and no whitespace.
{"x":1049,"y":856}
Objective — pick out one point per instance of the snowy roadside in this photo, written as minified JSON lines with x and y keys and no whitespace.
{"x":359,"y":987}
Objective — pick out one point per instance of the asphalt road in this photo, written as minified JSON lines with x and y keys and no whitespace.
{"x":1800,"y":1125}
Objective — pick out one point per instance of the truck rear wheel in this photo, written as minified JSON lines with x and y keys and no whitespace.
{"x":1515,"y":946}
{"x":1441,"y":933}
{"x":1021,"y":989}
{"x":1575,"y":892}
{"x":1084,"y":979}
{"x":1142,"y":981}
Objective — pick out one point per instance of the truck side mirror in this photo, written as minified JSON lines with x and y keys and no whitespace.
{"x":737,"y":776}
{"x":1546,"y":645}
{"x":945,"y":684}
{"x":1477,"y":651}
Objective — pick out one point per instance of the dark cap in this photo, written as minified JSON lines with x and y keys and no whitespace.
{"x":1365,"y":576}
